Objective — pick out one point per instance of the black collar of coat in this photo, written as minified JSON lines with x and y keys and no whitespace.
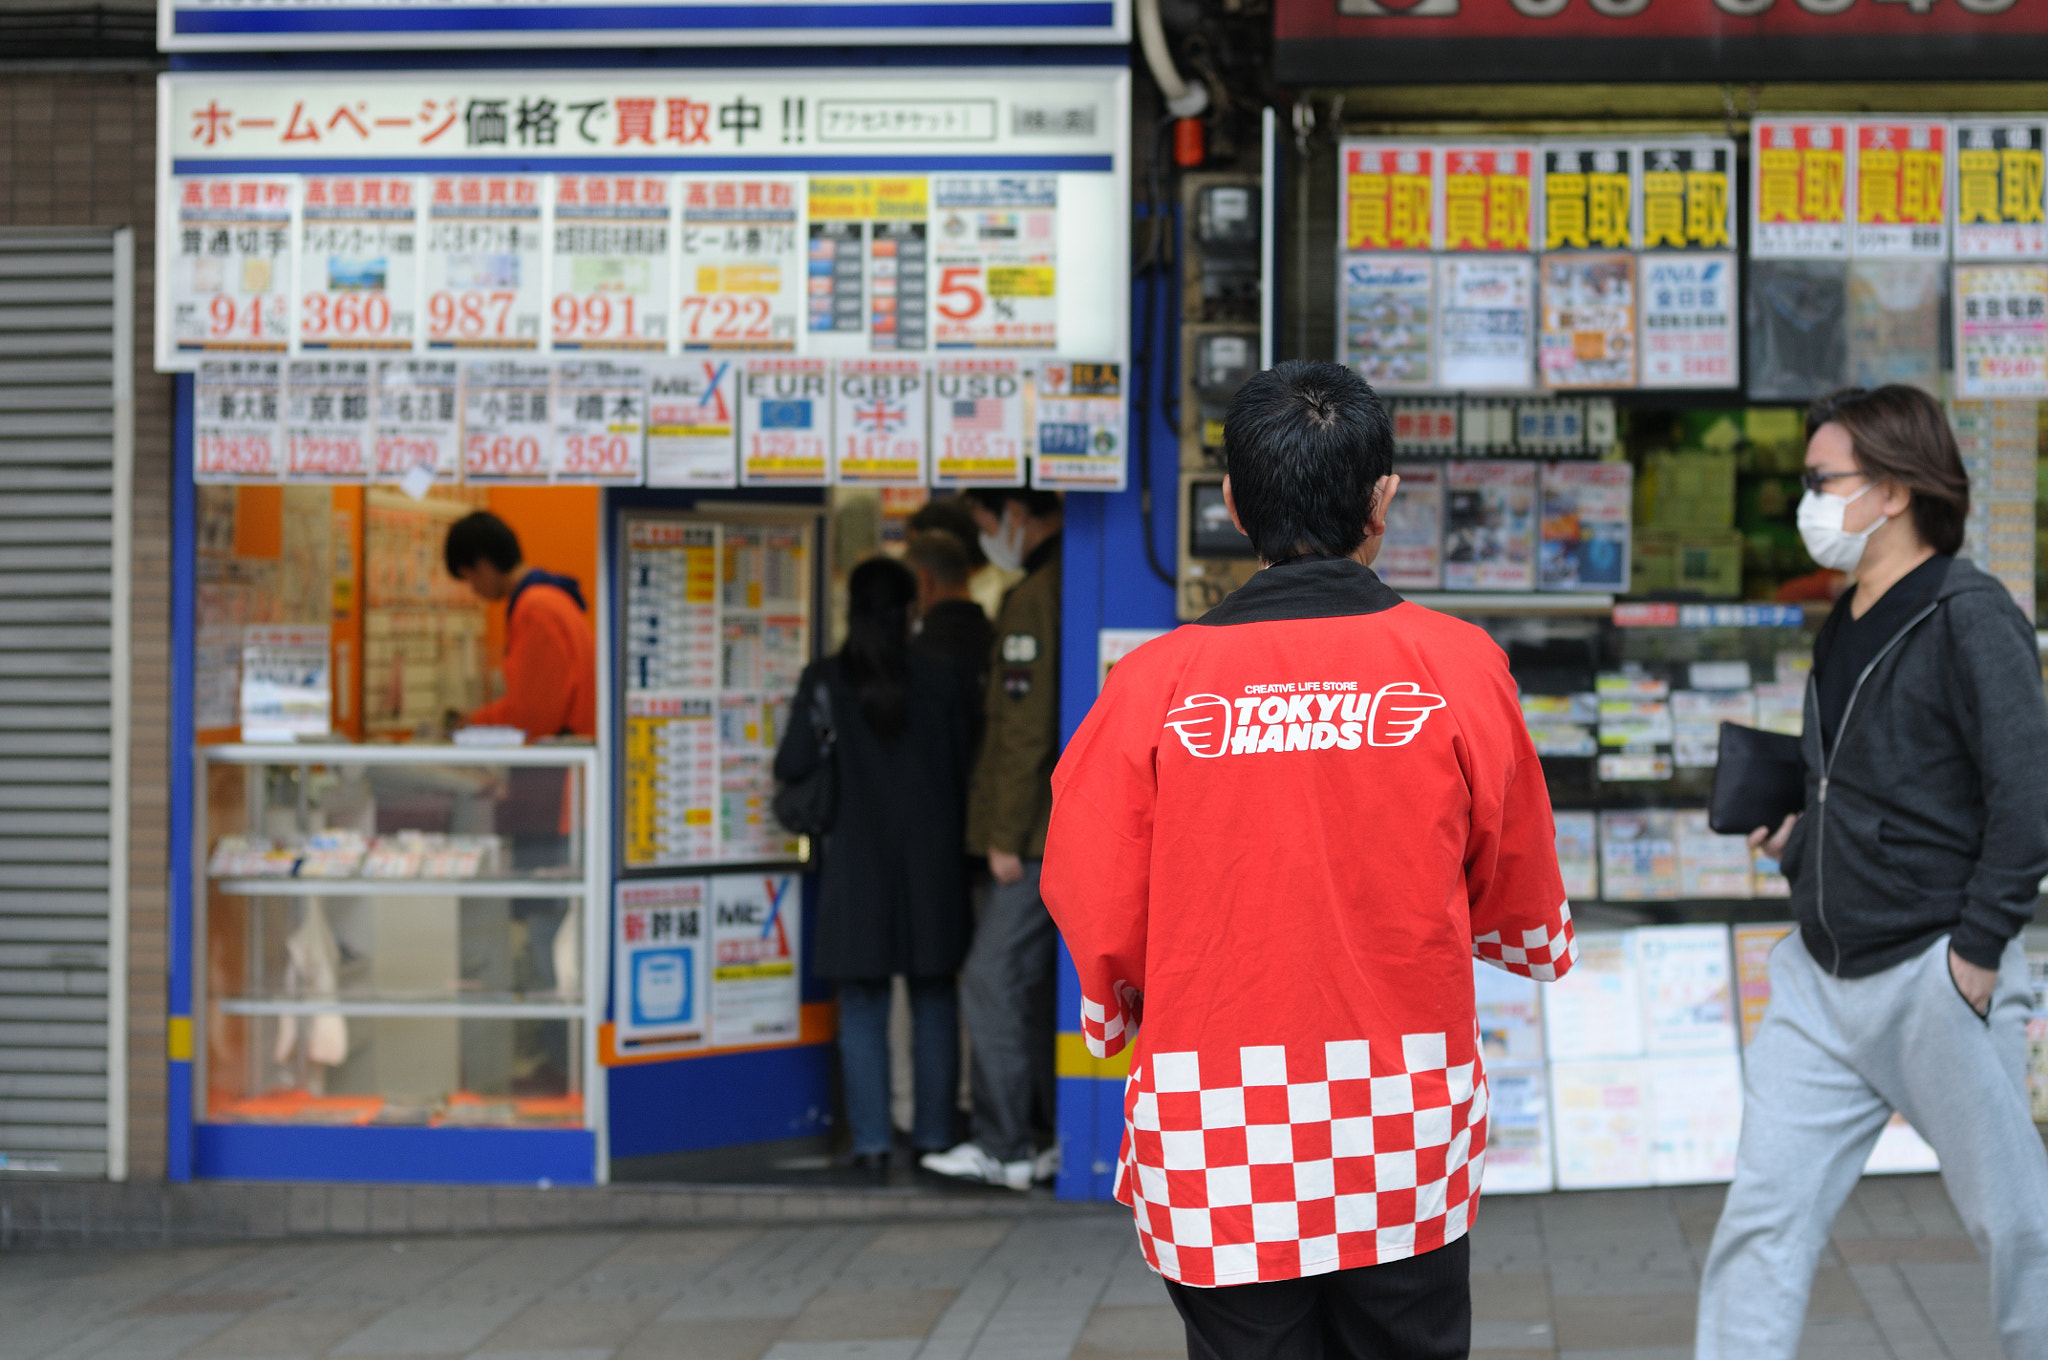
{"x":1312,"y":586}
{"x":1045,"y":552}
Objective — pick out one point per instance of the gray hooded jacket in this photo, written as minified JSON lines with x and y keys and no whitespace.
{"x":1930,"y":815}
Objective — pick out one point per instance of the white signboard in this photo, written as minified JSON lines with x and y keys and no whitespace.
{"x":692,"y":430}
{"x":755,"y":941}
{"x":417,"y":439}
{"x":742,"y":263}
{"x":661,"y":964}
{"x":287,"y":682}
{"x":878,"y":422}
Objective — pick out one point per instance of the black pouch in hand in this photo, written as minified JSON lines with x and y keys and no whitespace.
{"x":808,"y":806}
{"x":1759,"y":780}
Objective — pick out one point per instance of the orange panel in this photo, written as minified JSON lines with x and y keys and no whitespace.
{"x":558,"y":530}
{"x":259,"y":522}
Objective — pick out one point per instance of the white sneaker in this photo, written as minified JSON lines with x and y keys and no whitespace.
{"x":1046,"y":1165}
{"x":969,"y":1162}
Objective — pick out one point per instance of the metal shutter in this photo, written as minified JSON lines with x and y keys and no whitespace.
{"x":66,"y":300}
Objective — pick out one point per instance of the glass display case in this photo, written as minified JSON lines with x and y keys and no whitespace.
{"x":399,"y":936}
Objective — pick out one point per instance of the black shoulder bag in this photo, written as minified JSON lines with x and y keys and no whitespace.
{"x":808,"y":806}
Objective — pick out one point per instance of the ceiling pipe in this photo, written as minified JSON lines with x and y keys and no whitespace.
{"x":1184,"y":98}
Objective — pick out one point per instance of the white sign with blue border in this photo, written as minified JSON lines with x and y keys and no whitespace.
{"x":661,"y":963}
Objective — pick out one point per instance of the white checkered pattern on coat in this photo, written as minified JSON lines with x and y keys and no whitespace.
{"x":1540,"y":953}
{"x":1107,"y":1026}
{"x":1269,"y":1163}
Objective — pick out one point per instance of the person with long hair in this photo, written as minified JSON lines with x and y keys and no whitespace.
{"x":893,"y":897}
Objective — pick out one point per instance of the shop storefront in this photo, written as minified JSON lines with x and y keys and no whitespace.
{"x":677,"y":329}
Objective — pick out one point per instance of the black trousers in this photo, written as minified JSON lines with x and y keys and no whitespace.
{"x":1417,"y":1309}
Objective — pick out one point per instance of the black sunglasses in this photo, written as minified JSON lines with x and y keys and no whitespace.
{"x":1818,"y":481}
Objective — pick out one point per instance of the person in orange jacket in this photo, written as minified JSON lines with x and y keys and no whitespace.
{"x":550,"y":654}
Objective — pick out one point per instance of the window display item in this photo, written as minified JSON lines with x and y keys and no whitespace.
{"x":2001,"y":330}
{"x":1688,"y":321}
{"x":1638,"y":855}
{"x":1602,"y":1124}
{"x":1490,"y":526}
{"x":1695,"y":1118}
{"x":1585,"y":527}
{"x":1578,"y":853}
{"x":1518,"y":1140}
{"x":1589,"y":321}
{"x":1696,"y":718}
{"x":1486,"y":329}
{"x":1796,"y":327}
{"x":1389,"y":315}
{"x":1412,"y":553}
{"x":1894,"y":323}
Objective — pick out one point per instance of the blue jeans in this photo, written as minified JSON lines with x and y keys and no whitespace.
{"x":934,"y":1065}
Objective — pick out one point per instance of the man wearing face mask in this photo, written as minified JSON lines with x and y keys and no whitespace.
{"x":1914,"y":867}
{"x":1006,"y":986}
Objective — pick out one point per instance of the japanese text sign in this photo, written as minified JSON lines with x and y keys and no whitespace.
{"x":1389,"y":196}
{"x":1488,"y":197}
{"x":1688,"y":196}
{"x":1901,"y":179}
{"x":1588,"y":197}
{"x":1799,"y":197}
{"x":1998,"y":193}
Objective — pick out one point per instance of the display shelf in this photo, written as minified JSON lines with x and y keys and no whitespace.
{"x":560,"y":754}
{"x":401,"y":887}
{"x":1510,"y":602}
{"x":417,"y":1010}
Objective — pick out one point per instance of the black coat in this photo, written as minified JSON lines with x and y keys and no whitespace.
{"x":958,"y":631}
{"x":894,"y":891}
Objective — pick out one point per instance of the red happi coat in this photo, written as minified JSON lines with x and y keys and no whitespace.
{"x":1278,"y":840}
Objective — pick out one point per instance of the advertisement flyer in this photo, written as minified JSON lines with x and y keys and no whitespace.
{"x":1509,"y":1008}
{"x":661,"y":964}
{"x":287,"y":682}
{"x":237,"y":420}
{"x":1389,"y":195}
{"x":1563,"y":725}
{"x":1487,"y":327}
{"x":869,"y":267}
{"x":1388,"y":308}
{"x":1999,"y":189}
{"x":1589,"y":321}
{"x":1687,"y":987}
{"x":978,"y":433}
{"x":2001,"y":330}
{"x":1489,"y":526}
{"x":1799,"y":189}
{"x":1517,"y":1131}
{"x":671,"y":781}
{"x":358,"y":274}
{"x":1602,"y":1124}
{"x":785,"y":423}
{"x":1638,"y":855}
{"x":755,"y":923}
{"x":1695,"y":1118}
{"x":327,"y":420}
{"x":740,"y":252}
{"x":1412,"y":554}
{"x":232,"y":274}
{"x":1584,"y":534}
{"x":482,"y":265}
{"x":611,"y":262}
{"x":1589,"y":197}
{"x":1596,"y":1010}
{"x":506,"y":429}
{"x":1689,"y":314}
{"x":1488,"y":196}
{"x":1688,"y":195}
{"x":417,"y":436}
{"x":996,"y":281}
{"x":1578,"y":853}
{"x":879,"y":422}
{"x":692,"y":436}
{"x":1696,"y":718}
{"x":1078,"y":444}
{"x":1901,"y":179}
{"x":600,"y":422}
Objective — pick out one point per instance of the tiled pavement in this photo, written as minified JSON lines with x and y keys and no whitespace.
{"x":1602,"y":1276}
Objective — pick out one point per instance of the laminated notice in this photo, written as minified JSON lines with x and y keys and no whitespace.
{"x":237,"y":420}
{"x":1688,"y":320}
{"x":1589,"y":197}
{"x":1901,"y":179}
{"x":1799,"y":188}
{"x":692,"y":429}
{"x":1079,"y":428}
{"x":740,"y":252}
{"x":869,"y":264}
{"x":481,"y":268}
{"x":359,"y":278}
{"x":2001,"y":330}
{"x":327,"y":420}
{"x":1412,"y":553}
{"x":1584,"y":533}
{"x":506,"y":429}
{"x":1688,"y":195}
{"x":1490,"y":526}
{"x":879,"y":422}
{"x":1488,"y":197}
{"x":232,"y":273}
{"x":1589,"y":321}
{"x":785,"y":423}
{"x":977,"y":426}
{"x":994,"y":265}
{"x":600,"y":422}
{"x":1388,"y":308}
{"x":417,"y":432}
{"x":611,"y":262}
{"x":1389,"y":195}
{"x":1999,"y":189}
{"x":1486,"y":328}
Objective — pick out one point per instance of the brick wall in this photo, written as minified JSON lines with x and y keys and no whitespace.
{"x":80,"y":150}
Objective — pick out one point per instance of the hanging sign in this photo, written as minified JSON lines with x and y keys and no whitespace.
{"x":230,"y":271}
{"x":237,"y":421}
{"x":1901,"y":179}
{"x":1488,"y":197}
{"x":358,"y":247}
{"x":416,"y":440}
{"x":692,"y":435}
{"x":878,"y":422}
{"x":785,"y":423}
{"x":994,"y":244}
{"x":600,"y":423}
{"x":661,"y":959}
{"x":610,"y":262}
{"x":1799,"y":189}
{"x":977,"y":435}
{"x":2001,"y":330}
{"x":755,"y":939}
{"x":327,"y":420}
{"x":1080,"y":428}
{"x":1688,"y":320}
{"x":483,"y":262}
{"x":506,"y":431}
{"x":743,"y":275}
{"x":1688,"y":195}
{"x":1389,"y":194}
{"x":1999,"y":189}
{"x":1588,"y":197}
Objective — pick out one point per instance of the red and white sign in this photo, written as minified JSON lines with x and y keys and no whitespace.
{"x":879,"y":422}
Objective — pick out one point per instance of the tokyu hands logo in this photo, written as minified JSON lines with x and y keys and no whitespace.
{"x":1304,"y":718}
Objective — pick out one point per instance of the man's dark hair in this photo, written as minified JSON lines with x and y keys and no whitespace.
{"x":1037,"y":504}
{"x":1899,"y":434}
{"x":940,"y":553}
{"x":1305,"y":443}
{"x":480,"y":537}
{"x":950,"y":514}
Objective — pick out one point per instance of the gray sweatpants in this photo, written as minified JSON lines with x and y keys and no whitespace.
{"x":1006,"y":989}
{"x":1831,"y":1061}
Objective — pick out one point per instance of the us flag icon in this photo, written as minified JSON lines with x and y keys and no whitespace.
{"x":983,"y":415}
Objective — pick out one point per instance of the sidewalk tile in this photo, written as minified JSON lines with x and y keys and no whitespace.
{"x":837,"y":1314}
{"x":1149,"y":1332}
{"x":1597,"y":1323}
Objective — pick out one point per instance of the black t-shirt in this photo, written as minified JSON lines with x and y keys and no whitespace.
{"x":1847,"y":644}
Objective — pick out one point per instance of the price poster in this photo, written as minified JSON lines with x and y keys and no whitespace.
{"x":1999,"y":191}
{"x":742,"y":264}
{"x":237,"y":421}
{"x":358,"y":276}
{"x":1589,"y":321}
{"x":869,"y":280}
{"x":1588,"y":197}
{"x":287,"y":682}
{"x":1490,"y":514}
{"x":506,"y":430}
{"x":995,"y":261}
{"x":879,"y":422}
{"x":232,"y":274}
{"x":417,"y":435}
{"x":1080,"y":428}
{"x":1688,"y":196}
{"x":661,"y":974}
{"x":671,"y":773}
{"x":1901,"y":180}
{"x":2001,"y":330}
{"x":1488,"y":192}
{"x":1486,"y":328}
{"x":977,"y":423}
{"x":1688,"y":331}
{"x":755,"y":941}
{"x":1389,"y":195}
{"x":327,"y":420}
{"x":1389,"y":306}
{"x":483,"y":263}
{"x":692,"y":435}
{"x":611,"y":261}
{"x":600,"y":422}
{"x":785,"y":423}
{"x":1799,"y":197}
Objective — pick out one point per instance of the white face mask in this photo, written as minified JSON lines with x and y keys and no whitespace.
{"x":1005,"y":547}
{"x":1820,"y":526}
